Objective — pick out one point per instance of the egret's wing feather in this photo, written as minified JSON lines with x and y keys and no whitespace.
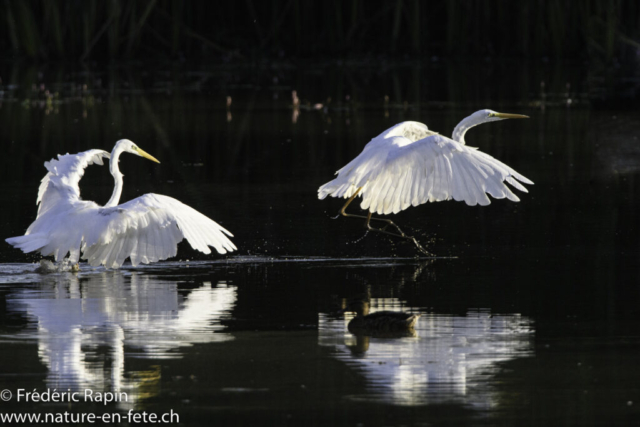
{"x":358,"y":171}
{"x":148,"y":229}
{"x":59,"y":229}
{"x":395,"y":173}
{"x":60,"y":184}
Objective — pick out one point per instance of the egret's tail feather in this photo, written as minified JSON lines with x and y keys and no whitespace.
{"x":325,"y":190}
{"x":47,"y":245}
{"x":28,"y":243}
{"x":338,"y":190}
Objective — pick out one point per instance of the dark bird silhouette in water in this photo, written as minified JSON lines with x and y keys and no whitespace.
{"x":384,"y":322}
{"x":381,"y":323}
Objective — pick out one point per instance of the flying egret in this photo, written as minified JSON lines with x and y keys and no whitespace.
{"x":145,"y":229}
{"x":408,"y":165}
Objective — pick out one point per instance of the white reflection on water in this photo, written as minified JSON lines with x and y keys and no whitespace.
{"x":86,"y":324}
{"x":451,"y":358}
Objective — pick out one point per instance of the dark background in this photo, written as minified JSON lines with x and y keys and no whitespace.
{"x":76,"y":75}
{"x":250,"y":30}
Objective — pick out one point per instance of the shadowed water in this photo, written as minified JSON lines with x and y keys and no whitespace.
{"x":528,"y":311}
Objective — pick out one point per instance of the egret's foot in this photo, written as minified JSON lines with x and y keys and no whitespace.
{"x":75,"y":268}
{"x":383,"y":230}
{"x":389,"y":222}
{"x":46,"y":267}
{"x":420,"y":248}
{"x":401,"y":234}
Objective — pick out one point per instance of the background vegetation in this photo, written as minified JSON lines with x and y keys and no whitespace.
{"x":607,"y":30}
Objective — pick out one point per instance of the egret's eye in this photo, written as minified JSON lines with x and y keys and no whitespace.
{"x":134,"y":147}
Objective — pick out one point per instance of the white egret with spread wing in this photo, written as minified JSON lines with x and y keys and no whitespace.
{"x":146,"y":229}
{"x":408,"y":165}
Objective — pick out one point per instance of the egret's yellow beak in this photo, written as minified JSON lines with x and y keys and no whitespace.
{"x":510,"y":116}
{"x":146,"y":155}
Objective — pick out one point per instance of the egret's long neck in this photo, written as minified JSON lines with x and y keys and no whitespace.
{"x":117,"y":176}
{"x":463,"y":127}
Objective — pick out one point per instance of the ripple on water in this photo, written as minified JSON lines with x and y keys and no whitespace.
{"x":24,"y":272}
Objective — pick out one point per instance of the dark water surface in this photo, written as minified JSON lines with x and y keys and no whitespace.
{"x":529,"y":311}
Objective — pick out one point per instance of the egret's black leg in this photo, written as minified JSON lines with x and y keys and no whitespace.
{"x":402,"y":235}
{"x":368,"y":218}
{"x":344,"y":208}
{"x":383,"y":229}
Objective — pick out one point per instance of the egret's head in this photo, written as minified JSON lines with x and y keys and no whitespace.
{"x":131,"y":147}
{"x":491,"y":116}
{"x":479,"y":117}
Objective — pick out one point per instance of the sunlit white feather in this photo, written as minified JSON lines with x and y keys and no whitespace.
{"x":64,"y":175}
{"x":408,"y":165}
{"x":145,"y":229}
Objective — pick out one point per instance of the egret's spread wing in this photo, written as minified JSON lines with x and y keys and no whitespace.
{"x":373,"y":158}
{"x":65,"y":172}
{"x":148,"y":229}
{"x":401,"y":173}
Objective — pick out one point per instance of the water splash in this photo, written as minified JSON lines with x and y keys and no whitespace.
{"x":49,"y":267}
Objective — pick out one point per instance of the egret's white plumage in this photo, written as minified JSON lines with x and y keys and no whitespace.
{"x":408,"y":165}
{"x":145,"y":229}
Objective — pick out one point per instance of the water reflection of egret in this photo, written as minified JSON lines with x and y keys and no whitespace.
{"x":450,"y":359}
{"x":408,"y":165}
{"x":78,"y":316}
{"x":145,"y":229}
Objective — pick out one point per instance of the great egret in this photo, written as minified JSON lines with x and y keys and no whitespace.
{"x":408,"y":165}
{"x":145,"y":229}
